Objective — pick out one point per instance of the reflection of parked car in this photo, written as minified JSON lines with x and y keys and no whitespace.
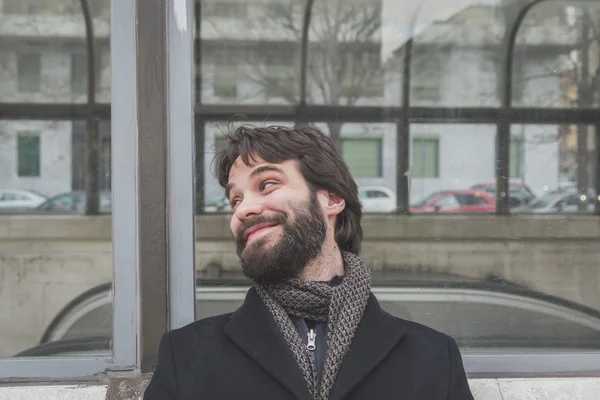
{"x":73,"y":203}
{"x":15,"y":200}
{"x":218,"y":204}
{"x":485,"y":315}
{"x":519,"y":193}
{"x":456,"y":201}
{"x":559,"y":201}
{"x":377,"y":199}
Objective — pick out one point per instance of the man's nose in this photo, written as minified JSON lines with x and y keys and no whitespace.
{"x":248,"y":207}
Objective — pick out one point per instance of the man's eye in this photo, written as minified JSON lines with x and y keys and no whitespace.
{"x":266,"y":185}
{"x":234,"y":202}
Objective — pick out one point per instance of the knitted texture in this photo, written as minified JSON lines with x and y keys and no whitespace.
{"x":341,"y":307}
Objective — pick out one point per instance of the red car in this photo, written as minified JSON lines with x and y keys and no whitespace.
{"x":519,"y":193}
{"x":456,"y":201}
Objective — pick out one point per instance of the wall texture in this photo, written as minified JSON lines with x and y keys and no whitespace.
{"x":46,"y":261}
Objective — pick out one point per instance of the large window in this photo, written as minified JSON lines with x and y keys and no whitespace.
{"x":55,"y":166}
{"x":103,"y":192}
{"x":446,"y":155}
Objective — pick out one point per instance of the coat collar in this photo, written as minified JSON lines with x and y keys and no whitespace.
{"x":254,"y":330}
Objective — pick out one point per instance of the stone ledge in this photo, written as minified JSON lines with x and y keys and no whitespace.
{"x":482,"y":389}
{"x":51,"y":392}
{"x":376,"y":227}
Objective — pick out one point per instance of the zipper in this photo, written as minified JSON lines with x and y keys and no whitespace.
{"x":312,"y":337}
{"x":312,"y":340}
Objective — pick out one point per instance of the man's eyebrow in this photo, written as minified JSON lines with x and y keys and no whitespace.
{"x":255,"y":172}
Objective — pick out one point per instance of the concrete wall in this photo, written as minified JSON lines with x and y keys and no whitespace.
{"x":47,"y":261}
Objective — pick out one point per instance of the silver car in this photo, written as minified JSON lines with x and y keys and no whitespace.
{"x":559,"y":201}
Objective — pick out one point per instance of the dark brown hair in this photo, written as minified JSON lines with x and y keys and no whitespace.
{"x":318,"y":160}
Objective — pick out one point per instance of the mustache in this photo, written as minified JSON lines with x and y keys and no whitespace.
{"x":260,"y":219}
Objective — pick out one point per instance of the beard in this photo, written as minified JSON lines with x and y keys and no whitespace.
{"x":301,"y":241}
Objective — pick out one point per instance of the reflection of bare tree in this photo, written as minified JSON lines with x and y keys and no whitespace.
{"x":578,"y":72}
{"x":344,"y":54}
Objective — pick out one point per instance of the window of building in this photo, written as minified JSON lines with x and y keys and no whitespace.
{"x":16,"y":7}
{"x":516,"y":158}
{"x":28,"y":154}
{"x":279,"y":69}
{"x":426,"y":78}
{"x":29,"y":70}
{"x":363,"y":156}
{"x":426,"y":157}
{"x":78,"y":73}
{"x":362,"y":74}
{"x":225,"y":9}
{"x":226,"y":73}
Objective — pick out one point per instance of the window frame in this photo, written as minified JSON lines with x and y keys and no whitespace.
{"x":135,"y":128}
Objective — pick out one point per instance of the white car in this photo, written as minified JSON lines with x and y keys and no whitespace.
{"x":377,"y":199}
{"x":14,"y":200}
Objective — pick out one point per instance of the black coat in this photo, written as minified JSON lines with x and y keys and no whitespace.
{"x":244,"y":356}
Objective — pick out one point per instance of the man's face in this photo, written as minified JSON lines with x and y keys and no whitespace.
{"x":278,"y":222}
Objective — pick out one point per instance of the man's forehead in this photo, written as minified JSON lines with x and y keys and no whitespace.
{"x":240,"y":165}
{"x":256,"y":164}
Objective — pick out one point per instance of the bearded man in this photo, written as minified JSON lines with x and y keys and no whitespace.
{"x":309,"y":328}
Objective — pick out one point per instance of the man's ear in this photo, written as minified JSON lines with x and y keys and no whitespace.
{"x":334,"y":204}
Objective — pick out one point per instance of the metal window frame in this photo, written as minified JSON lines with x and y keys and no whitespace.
{"x":153,"y":183}
{"x":125,"y":228}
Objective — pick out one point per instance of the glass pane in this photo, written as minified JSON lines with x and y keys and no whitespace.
{"x":565,"y":184}
{"x":45,"y":262}
{"x":346,"y":65}
{"x":457,"y":50}
{"x":50,"y":254}
{"x":496,"y":285}
{"x":250,"y":52}
{"x":449,"y":165}
{"x":556,"y":57}
{"x":35,"y":69}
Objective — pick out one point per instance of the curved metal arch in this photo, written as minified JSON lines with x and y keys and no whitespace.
{"x":507,"y":76}
{"x":91,"y":178}
{"x":304,"y":52}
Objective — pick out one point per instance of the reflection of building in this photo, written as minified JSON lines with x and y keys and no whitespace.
{"x":457,"y":64}
{"x":43,"y":60}
{"x":250,"y":54}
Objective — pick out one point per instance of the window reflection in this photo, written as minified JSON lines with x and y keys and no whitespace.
{"x":53,"y":254}
{"x":556,"y":58}
{"x":566,"y":183}
{"x":528,"y":283}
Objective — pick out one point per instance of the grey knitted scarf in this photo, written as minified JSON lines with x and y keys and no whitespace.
{"x":341,"y":307}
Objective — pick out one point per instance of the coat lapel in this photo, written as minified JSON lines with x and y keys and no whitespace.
{"x":376,"y":335}
{"x":254,"y":330}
